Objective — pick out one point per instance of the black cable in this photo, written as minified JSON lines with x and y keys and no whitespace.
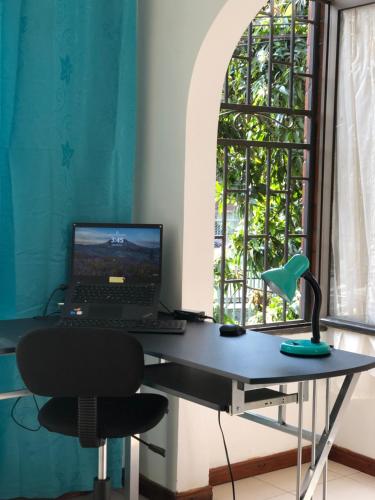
{"x":165,"y":307}
{"x":193,"y":316}
{"x":61,"y":287}
{"x":19,"y":423}
{"x":152,"y":447}
{"x":211,"y":318}
{"x":227,"y":455}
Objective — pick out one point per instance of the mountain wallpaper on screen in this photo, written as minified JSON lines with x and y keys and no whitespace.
{"x":134,"y":261}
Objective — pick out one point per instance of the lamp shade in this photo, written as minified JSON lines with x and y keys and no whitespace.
{"x":283,"y":280}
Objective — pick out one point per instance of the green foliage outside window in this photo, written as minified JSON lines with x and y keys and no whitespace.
{"x":272,"y":125}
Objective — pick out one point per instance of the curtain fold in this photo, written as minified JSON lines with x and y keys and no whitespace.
{"x":353,"y":228}
{"x":67,"y":144}
{"x":353,"y":223}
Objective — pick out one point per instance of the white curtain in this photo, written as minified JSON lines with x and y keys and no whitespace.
{"x":353,"y":224}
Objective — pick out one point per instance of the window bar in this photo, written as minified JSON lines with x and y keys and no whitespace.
{"x":271,"y":35}
{"x":249,"y":109}
{"x":298,"y":235}
{"x":226,"y":88}
{"x":224,"y":240}
{"x":249,"y":59}
{"x":292,"y":43}
{"x":304,"y":75}
{"x":264,"y":38}
{"x":286,"y":233}
{"x":313,"y":56}
{"x":266,"y":230}
{"x":264,"y":144}
{"x":245,"y":238}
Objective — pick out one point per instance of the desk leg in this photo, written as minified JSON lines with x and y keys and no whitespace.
{"x":313,"y":428}
{"x":325,"y":470}
{"x":326,"y":441}
{"x":299,"y":435}
{"x":131,"y":479}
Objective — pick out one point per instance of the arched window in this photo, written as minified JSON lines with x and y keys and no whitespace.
{"x":265,"y":161}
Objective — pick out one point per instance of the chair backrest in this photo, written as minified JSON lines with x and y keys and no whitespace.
{"x":80,"y":362}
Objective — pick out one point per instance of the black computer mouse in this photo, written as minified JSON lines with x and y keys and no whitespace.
{"x":231,"y":330}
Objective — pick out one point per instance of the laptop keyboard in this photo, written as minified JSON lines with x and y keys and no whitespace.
{"x":113,"y":294}
{"x":133,"y":326}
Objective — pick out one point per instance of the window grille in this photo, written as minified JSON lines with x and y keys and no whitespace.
{"x":265,"y":159}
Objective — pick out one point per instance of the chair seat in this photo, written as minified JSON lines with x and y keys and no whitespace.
{"x":117,"y":417}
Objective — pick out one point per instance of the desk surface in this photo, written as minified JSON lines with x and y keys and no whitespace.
{"x":253,"y":358}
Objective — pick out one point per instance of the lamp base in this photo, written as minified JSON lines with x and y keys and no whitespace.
{"x":305,"y":348}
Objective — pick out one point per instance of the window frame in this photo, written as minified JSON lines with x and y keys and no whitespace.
{"x":327,"y":157}
{"x":312,"y":143}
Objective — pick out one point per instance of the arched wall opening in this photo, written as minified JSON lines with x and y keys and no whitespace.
{"x":202,"y":114}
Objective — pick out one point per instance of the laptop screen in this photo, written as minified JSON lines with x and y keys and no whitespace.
{"x":122,"y":254}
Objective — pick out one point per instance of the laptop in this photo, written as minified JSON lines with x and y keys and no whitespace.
{"x":115,"y":272}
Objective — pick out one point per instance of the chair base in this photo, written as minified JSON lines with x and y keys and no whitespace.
{"x":102,"y":489}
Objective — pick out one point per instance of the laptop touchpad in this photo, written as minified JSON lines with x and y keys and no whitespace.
{"x":105,"y":311}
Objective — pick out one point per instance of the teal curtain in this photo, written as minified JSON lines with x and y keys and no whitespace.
{"x":67,"y":143}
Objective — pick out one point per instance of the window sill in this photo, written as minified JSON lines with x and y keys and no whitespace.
{"x":353,"y":326}
{"x":285,"y":328}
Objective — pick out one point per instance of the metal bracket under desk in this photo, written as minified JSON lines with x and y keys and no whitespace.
{"x":210,"y":390}
{"x":244,"y":400}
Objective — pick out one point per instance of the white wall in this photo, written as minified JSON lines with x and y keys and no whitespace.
{"x":170,"y":33}
{"x":357,"y":432}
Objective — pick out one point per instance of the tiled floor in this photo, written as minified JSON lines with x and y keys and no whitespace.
{"x":343,"y":484}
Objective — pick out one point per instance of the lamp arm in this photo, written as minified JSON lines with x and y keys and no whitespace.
{"x":317,"y":303}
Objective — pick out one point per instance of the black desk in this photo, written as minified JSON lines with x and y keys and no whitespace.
{"x":235,"y":375}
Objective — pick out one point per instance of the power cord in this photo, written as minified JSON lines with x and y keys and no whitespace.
{"x":19,"y":423}
{"x":186,"y":314}
{"x":165,"y":307}
{"x":211,"y":318}
{"x":227,"y":455}
{"x":61,"y":287}
{"x":152,"y":447}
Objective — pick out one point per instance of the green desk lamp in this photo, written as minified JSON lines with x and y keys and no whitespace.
{"x":283,"y":281}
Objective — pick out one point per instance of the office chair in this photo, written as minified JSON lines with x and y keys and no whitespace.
{"x":92,"y":376}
